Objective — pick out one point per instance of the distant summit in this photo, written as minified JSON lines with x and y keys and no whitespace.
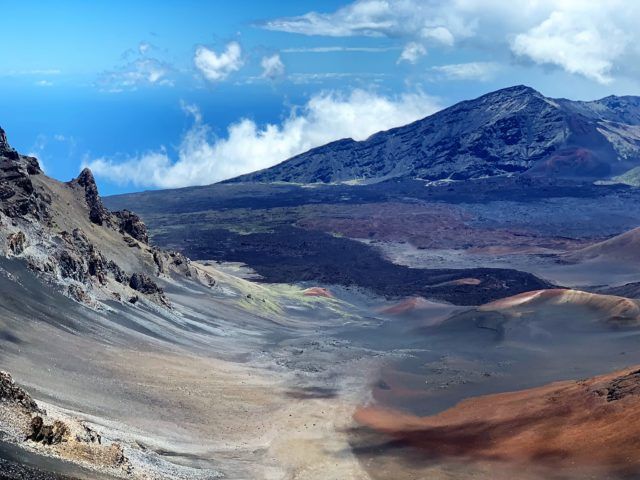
{"x":509,"y":131}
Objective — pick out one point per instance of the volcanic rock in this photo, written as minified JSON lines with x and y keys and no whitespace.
{"x":131,"y":224}
{"x":47,"y":434}
{"x":142,"y":283}
{"x":17,"y":194}
{"x":98,"y":214}
{"x":623,"y":386}
{"x":10,"y":392}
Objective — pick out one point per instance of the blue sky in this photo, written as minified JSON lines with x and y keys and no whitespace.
{"x":176,"y":93}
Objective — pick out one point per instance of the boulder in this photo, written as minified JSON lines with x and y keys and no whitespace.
{"x":132,"y":225}
{"x":47,"y":434}
{"x":142,"y":283}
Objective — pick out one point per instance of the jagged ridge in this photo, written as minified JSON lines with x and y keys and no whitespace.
{"x":66,"y":235}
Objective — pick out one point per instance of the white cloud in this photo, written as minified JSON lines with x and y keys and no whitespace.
{"x":272,"y":67}
{"x":579,"y":44}
{"x":217,"y":67}
{"x":338,"y":49}
{"x":320,"y":78}
{"x":412,"y":52}
{"x":595,"y":39}
{"x":144,"y":47}
{"x":467,"y":71}
{"x":35,"y":72}
{"x":203,"y":159}
{"x":137,"y":73}
{"x":378,"y":18}
{"x":44,"y":83}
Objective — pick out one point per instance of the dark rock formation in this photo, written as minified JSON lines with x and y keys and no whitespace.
{"x":80,"y":260}
{"x":98,"y":214}
{"x":181,"y":263}
{"x":118,"y":274}
{"x":10,"y":392}
{"x":47,"y":434}
{"x":71,"y":266}
{"x":622,"y":387}
{"x":17,"y":194}
{"x":142,"y":283}
{"x":509,"y":131}
{"x":7,"y":150}
{"x":132,"y":225}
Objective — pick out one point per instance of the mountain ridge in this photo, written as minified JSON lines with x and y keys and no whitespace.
{"x":514,"y":130}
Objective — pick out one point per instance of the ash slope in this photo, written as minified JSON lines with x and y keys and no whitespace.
{"x":509,"y":131}
{"x":177,"y":365}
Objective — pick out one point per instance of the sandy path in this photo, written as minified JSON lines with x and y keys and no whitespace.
{"x":239,"y":419}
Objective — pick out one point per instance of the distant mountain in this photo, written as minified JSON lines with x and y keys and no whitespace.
{"x":510,"y":131}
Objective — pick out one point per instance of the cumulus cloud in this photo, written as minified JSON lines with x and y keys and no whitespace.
{"x":217,"y":67}
{"x":589,"y":38}
{"x":201,"y":158}
{"x":587,"y":46}
{"x":466,"y":71}
{"x":412,"y":52}
{"x":272,"y":67}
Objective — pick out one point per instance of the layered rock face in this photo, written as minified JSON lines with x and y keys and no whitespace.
{"x":506,"y":132}
{"x":66,"y":235}
{"x":17,"y":193}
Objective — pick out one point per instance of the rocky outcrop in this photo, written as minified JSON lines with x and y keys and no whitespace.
{"x":98,"y":214}
{"x":622,"y":386}
{"x":142,"y":283}
{"x":132,"y":225}
{"x":18,"y":197}
{"x":84,"y":263}
{"x":12,"y":393}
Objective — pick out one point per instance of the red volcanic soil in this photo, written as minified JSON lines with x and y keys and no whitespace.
{"x":614,"y":309}
{"x":575,"y":162}
{"x":408,"y":305}
{"x":563,"y":426}
{"x":317,"y":292}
